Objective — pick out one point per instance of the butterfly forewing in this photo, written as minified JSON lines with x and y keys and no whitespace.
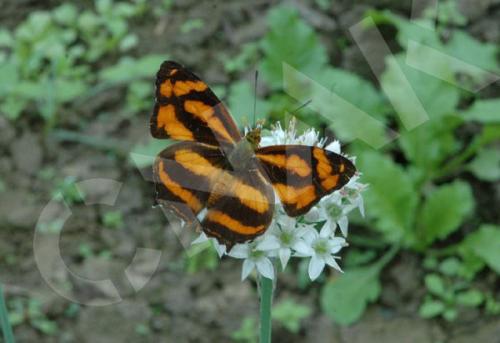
{"x":187,"y":110}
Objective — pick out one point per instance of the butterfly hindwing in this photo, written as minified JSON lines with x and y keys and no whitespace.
{"x":187,"y":110}
{"x":184,"y":175}
{"x":240,"y":207}
{"x":302,"y":175}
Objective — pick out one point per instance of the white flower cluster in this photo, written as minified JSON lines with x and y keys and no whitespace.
{"x":313,"y":235}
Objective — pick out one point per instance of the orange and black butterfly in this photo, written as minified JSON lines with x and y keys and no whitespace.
{"x":214,"y":167}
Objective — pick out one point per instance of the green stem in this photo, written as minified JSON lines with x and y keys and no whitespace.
{"x":488,"y":135}
{"x":380,"y":264}
{"x":266,"y":300}
{"x":8,"y":336}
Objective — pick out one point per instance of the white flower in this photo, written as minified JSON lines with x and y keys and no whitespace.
{"x":285,"y":236}
{"x":335,"y":212}
{"x":323,"y":245}
{"x":253,"y":257}
{"x":202,"y":238}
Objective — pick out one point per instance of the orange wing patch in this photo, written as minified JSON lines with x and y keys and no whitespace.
{"x":184,"y":87}
{"x":188,"y":197}
{"x":324,"y":168}
{"x":232,"y":224}
{"x":207,"y":114}
{"x":168,"y":121}
{"x":292,"y":163}
{"x":298,"y":198}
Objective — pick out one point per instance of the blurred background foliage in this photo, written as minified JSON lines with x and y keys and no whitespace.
{"x":78,"y":77}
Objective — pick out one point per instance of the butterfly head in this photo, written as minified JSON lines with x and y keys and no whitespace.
{"x":253,"y":135}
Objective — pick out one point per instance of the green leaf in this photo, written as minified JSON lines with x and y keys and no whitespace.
{"x":345,"y":298}
{"x":290,"y":40}
{"x":419,"y":30}
{"x":248,"y":52}
{"x":483,"y":111}
{"x":431,"y":308}
{"x":485,"y":243}
{"x":65,"y":14}
{"x":448,"y":13}
{"x":192,"y":24}
{"x":428,"y":145}
{"x":450,"y":314}
{"x":467,"y":49}
{"x":486,"y":165}
{"x":130,"y":69}
{"x":289,"y":314}
{"x":471,"y":297}
{"x":444,"y":211}
{"x":355,"y":90}
{"x":6,"y":39}
{"x":450,"y":266}
{"x":435,"y":98}
{"x":435,"y":284}
{"x":391,"y":196}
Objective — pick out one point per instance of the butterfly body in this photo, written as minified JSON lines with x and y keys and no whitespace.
{"x":229,"y":175}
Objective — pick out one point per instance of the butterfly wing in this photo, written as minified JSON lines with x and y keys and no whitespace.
{"x":187,"y":110}
{"x":240,"y":207}
{"x":184,"y":175}
{"x":302,"y":175}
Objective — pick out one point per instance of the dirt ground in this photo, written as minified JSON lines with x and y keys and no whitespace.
{"x":175,"y":306}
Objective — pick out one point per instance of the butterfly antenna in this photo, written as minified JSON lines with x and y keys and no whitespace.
{"x":301,"y":106}
{"x":255,"y":98}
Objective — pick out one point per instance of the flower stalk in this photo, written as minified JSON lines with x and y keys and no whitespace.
{"x":266,"y":301}
{"x":8,"y":336}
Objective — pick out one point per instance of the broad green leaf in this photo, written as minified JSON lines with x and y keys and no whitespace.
{"x":444,"y":211}
{"x":435,"y":284}
{"x":241,"y":102}
{"x":5,"y":38}
{"x":289,"y":314}
{"x":342,"y":106}
{"x":486,"y":165}
{"x":483,"y":111}
{"x":129,"y":69}
{"x":448,"y":13}
{"x":9,"y":76}
{"x":420,"y":30}
{"x":450,"y":266}
{"x":290,"y":40}
{"x":437,"y":98}
{"x":485,"y":243}
{"x":466,"y":48}
{"x":391,"y":197}
{"x":471,"y":297}
{"x":430,"y":144}
{"x":345,"y":298}
{"x":65,"y":14}
{"x":450,"y":314}
{"x":431,"y":308}
{"x":354,"y":89}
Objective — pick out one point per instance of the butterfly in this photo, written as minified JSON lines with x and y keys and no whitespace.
{"x":213,"y":168}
